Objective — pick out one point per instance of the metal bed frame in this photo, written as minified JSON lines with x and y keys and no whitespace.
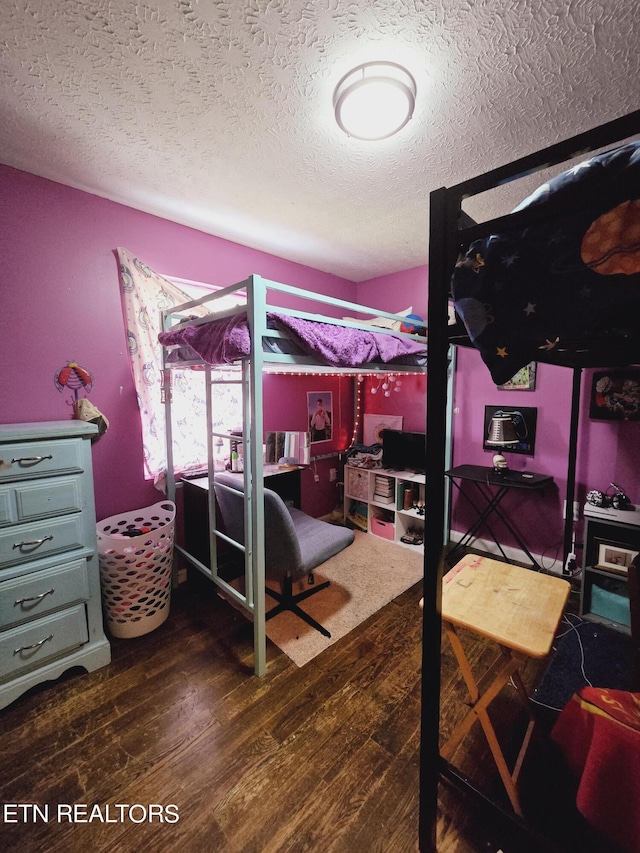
{"x":449,"y":228}
{"x":250,"y":371}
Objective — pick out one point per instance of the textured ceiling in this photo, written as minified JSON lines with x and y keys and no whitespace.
{"x":217,"y":113}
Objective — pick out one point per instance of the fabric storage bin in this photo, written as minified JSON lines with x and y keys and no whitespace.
{"x":357,"y":483}
{"x":385,"y":529}
{"x":610,"y":604}
{"x":135,"y":552}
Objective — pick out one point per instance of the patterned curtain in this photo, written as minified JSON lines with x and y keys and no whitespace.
{"x":146,"y":294}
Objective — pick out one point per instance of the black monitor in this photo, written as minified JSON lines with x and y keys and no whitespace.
{"x":402,"y":451}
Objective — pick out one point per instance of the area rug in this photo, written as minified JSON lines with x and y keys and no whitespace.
{"x":364,"y":577}
{"x":586,"y":653}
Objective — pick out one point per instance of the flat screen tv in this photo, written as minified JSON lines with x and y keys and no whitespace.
{"x":402,"y":451}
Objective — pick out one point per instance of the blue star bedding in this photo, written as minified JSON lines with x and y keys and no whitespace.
{"x":564,"y":283}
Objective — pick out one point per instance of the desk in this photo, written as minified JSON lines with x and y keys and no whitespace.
{"x":285,"y":482}
{"x":491,"y":488}
{"x":517,"y":609}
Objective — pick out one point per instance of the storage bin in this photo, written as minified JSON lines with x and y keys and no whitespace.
{"x":135,"y":553}
{"x":382,"y":528}
{"x":610,"y":605}
{"x":357,"y":483}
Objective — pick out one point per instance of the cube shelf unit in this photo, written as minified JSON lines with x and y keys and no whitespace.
{"x":604,"y":596}
{"x":386,"y":503}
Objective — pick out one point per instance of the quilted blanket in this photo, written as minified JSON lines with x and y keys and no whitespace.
{"x":598,"y":732}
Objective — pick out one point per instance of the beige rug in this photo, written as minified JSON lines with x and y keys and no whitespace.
{"x":364,"y":577}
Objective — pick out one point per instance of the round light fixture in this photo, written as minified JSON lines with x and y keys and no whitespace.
{"x":374,"y":100}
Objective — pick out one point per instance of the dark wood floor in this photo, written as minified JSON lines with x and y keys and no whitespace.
{"x":323,"y":758}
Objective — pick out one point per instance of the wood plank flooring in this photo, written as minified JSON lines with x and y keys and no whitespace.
{"x":323,"y":758}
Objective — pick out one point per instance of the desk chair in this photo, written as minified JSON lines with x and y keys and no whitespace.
{"x":295,"y":543}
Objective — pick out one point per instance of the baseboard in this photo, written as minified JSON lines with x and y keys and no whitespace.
{"x":515,"y":555}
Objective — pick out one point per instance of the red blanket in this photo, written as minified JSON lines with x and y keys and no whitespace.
{"x":598,"y":732}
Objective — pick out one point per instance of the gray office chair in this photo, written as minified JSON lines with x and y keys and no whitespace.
{"x":295,"y":543}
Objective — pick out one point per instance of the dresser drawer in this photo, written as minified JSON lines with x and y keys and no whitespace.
{"x":39,"y":499}
{"x":25,"y":460}
{"x":34,"y":595}
{"x":24,"y":542}
{"x":35,"y":643}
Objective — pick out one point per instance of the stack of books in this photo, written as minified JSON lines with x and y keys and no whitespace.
{"x":383,"y":489}
{"x":357,"y":516}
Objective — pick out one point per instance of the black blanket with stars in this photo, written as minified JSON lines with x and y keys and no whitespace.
{"x":564,"y":282}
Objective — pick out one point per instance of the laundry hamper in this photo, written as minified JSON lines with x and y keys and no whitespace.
{"x":135,"y":553}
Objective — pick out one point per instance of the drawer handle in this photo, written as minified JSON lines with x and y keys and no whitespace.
{"x":34,"y":597}
{"x":32,"y":542}
{"x":30,"y":460}
{"x":33,"y":645}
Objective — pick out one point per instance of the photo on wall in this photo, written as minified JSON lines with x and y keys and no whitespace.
{"x":374,"y":425}
{"x":615,"y":395}
{"x":320,"y":409}
{"x":524,"y":420}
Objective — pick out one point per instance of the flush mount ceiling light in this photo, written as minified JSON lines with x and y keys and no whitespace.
{"x":374,"y":100}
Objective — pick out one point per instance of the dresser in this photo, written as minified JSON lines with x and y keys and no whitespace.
{"x":50,"y":605}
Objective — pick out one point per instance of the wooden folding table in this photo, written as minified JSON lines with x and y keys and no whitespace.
{"x":517,"y":608}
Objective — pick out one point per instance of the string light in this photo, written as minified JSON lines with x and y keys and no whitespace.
{"x":357,"y":416}
{"x":379,"y":374}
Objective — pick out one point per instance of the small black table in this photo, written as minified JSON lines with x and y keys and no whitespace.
{"x":491,"y":487}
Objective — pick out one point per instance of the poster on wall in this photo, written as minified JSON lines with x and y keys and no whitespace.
{"x":374,"y":424}
{"x":524,"y":422}
{"x":615,"y":395}
{"x":523,"y":380}
{"x":320,"y":408}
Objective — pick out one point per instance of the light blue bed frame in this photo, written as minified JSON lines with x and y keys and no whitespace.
{"x":250,"y":371}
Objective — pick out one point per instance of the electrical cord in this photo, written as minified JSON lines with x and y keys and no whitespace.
{"x":570,"y":626}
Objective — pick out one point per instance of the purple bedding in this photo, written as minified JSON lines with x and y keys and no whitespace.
{"x":227,"y":340}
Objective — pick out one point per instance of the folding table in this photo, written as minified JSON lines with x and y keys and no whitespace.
{"x":518,"y":609}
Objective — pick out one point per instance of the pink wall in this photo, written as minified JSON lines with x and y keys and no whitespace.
{"x":285,"y":408}
{"x":61,"y":302}
{"x":409,"y":401}
{"x":396,"y":293}
{"x":537,"y":516}
{"x":606,"y":451}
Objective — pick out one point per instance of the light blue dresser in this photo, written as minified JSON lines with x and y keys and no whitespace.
{"x":50,"y":606}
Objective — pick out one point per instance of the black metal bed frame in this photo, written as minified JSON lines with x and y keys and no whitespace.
{"x":449,"y":228}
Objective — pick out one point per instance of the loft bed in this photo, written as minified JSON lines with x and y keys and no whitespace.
{"x":259,"y":336}
{"x":467,"y":265}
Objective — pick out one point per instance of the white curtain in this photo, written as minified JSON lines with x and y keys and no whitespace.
{"x":146,"y":294}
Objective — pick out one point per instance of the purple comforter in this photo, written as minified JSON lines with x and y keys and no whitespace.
{"x":227,"y":340}
{"x":219,"y":342}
